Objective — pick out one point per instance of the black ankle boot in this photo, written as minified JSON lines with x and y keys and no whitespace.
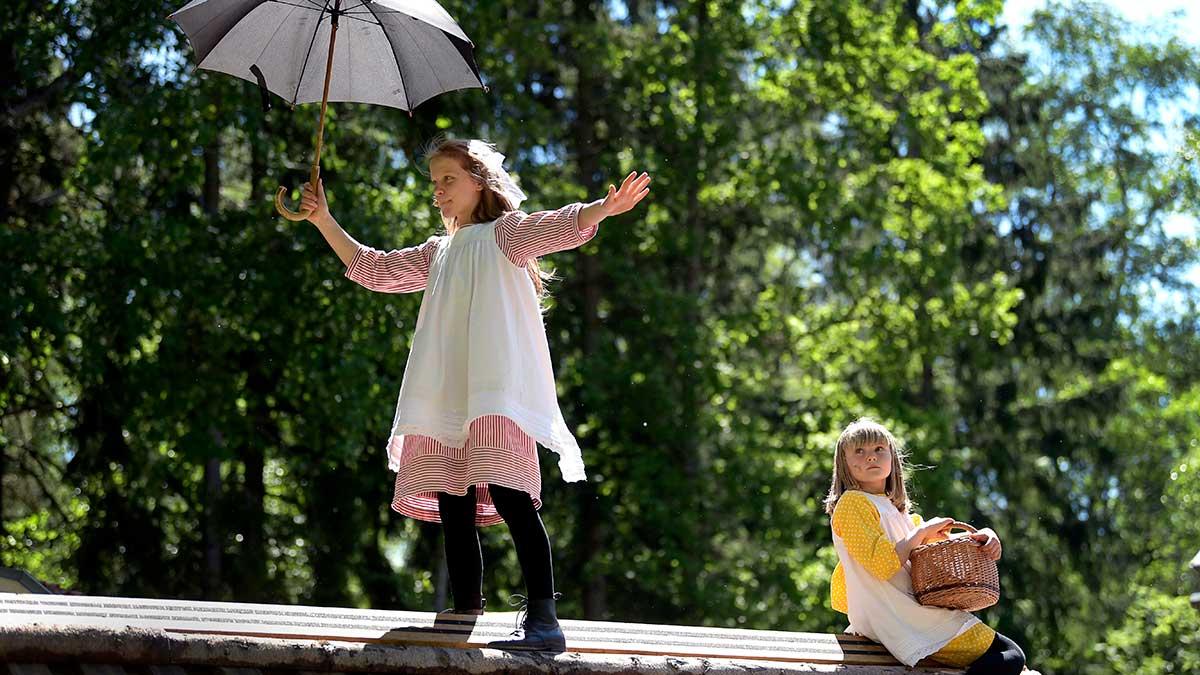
{"x":539,"y":632}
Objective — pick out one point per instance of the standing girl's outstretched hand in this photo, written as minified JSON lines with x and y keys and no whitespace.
{"x":633,"y":189}
{"x":618,"y":200}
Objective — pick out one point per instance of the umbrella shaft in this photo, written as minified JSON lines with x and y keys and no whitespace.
{"x":316,"y":165}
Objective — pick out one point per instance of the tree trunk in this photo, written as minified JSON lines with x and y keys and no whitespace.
{"x":3,"y":472}
{"x":332,"y":538}
{"x":590,"y":533}
{"x":258,"y":164}
{"x":376,"y":573}
{"x":212,"y":529}
{"x":251,"y":580}
{"x":212,"y":467}
{"x":688,"y":438}
{"x":441,"y":582}
{"x":212,"y":176}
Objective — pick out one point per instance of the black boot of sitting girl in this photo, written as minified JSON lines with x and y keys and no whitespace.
{"x":539,"y":632}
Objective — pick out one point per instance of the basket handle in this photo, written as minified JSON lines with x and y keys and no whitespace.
{"x":959,"y":525}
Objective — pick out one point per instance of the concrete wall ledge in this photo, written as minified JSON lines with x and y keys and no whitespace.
{"x":53,"y":644}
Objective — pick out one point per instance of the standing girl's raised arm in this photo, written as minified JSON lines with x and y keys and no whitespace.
{"x":523,"y":237}
{"x":313,"y":200}
{"x":401,"y":271}
{"x":404,"y":270}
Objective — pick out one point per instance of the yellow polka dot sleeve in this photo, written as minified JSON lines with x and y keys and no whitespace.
{"x":965,"y":649}
{"x":837,"y":590}
{"x":856,"y":521}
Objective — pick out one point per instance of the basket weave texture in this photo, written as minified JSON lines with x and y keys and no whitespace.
{"x":955,"y":574}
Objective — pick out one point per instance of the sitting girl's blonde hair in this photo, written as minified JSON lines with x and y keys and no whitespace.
{"x":861,"y":432}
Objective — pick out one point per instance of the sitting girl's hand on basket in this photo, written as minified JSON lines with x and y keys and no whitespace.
{"x":934,"y":529}
{"x":930,"y":530}
{"x":989,"y":542}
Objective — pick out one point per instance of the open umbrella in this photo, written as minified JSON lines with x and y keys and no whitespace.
{"x":397,"y":53}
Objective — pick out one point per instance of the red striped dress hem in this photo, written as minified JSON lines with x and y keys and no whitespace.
{"x":497,"y":451}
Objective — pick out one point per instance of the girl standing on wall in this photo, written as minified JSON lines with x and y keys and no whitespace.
{"x":478,"y":391}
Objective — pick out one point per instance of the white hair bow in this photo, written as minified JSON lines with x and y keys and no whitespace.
{"x":497,"y":178}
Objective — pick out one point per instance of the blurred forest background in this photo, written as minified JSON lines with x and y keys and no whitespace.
{"x":860,"y":208}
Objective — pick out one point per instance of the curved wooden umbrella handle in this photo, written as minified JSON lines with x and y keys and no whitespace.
{"x":303,"y":214}
{"x":285,"y":211}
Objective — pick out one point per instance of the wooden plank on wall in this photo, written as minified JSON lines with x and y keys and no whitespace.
{"x":422,"y":628}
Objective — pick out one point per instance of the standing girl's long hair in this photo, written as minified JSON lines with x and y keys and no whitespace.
{"x":492,"y":203}
{"x":862,"y":432}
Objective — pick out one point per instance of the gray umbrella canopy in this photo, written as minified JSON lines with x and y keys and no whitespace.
{"x":397,"y":53}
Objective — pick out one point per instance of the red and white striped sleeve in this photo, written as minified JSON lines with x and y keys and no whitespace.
{"x":404,"y":270}
{"x":522,"y":236}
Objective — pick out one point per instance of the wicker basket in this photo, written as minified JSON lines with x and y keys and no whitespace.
{"x":955,"y":574}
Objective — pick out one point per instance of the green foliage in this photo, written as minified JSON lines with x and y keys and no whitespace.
{"x":1160,"y":635}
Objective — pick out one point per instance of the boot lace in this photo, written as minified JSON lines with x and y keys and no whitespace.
{"x":522,"y":604}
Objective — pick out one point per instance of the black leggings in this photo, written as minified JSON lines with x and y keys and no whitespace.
{"x":464,"y":559}
{"x":1004,"y":657}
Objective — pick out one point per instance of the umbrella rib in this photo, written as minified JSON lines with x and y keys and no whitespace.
{"x":304,"y":67}
{"x":427,"y":63}
{"x":358,"y":17}
{"x":309,"y":6}
{"x":200,"y":57}
{"x":392,"y":11}
{"x":278,"y":28}
{"x":349,"y":66}
{"x":395,"y":57}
